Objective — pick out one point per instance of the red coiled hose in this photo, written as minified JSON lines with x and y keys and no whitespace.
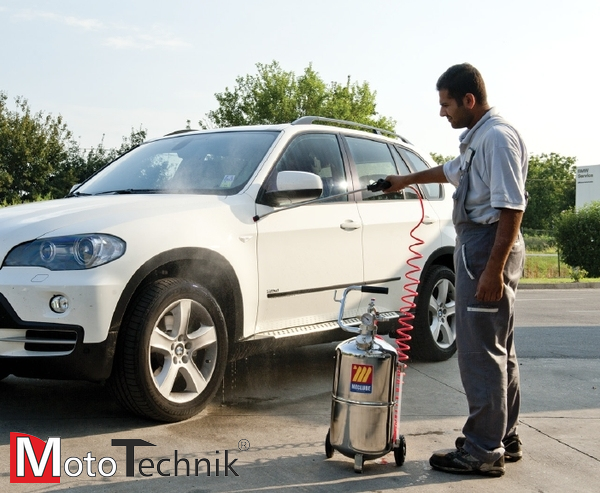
{"x":408,"y":299}
{"x":406,"y":316}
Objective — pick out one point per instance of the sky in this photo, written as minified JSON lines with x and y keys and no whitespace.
{"x":112,"y":66}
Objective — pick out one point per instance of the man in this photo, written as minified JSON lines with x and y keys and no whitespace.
{"x":489,"y":202}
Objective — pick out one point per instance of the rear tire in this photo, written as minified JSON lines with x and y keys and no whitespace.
{"x":434,"y":334}
{"x":171,"y":351}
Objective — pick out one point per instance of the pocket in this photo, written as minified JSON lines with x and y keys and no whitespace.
{"x":475,"y":251}
{"x":482,"y":309}
{"x":463,"y":252}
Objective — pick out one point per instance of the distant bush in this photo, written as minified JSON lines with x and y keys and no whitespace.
{"x":538,"y":241}
{"x":578,"y":238}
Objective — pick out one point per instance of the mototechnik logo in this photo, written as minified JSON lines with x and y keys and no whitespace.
{"x":34,"y":461}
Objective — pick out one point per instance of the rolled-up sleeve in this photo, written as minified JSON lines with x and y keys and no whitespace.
{"x":506,"y":170}
{"x":452,"y":170}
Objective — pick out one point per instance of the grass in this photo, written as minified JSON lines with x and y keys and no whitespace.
{"x":546,"y":268}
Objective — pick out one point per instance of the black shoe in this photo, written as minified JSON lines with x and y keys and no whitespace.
{"x":461,"y":462}
{"x":512,"y":447}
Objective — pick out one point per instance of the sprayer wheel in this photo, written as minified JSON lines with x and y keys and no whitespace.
{"x":400,"y":451}
{"x":359,"y":461}
{"x":328,"y":446}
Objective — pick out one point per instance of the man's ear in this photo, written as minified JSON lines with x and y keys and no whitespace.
{"x":469,"y":101}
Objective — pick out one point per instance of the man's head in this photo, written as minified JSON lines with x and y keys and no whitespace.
{"x":463,"y":98}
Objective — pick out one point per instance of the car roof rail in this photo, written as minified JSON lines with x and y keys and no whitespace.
{"x":177,"y":132}
{"x":308,"y":120}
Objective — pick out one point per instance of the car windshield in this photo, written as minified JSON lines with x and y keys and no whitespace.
{"x":217,"y":163}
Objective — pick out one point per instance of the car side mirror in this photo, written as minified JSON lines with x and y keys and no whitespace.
{"x":294,"y":187}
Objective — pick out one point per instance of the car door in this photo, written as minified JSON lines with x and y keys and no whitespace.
{"x":388,"y":220}
{"x":305,"y":253}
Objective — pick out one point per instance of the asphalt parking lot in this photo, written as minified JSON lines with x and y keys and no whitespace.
{"x":265,"y":430}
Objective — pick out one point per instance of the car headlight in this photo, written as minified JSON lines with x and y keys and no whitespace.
{"x":75,"y":252}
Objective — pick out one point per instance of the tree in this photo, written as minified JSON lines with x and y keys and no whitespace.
{"x":551,"y":187}
{"x":39,"y":159}
{"x":276,"y":96}
{"x":98,"y":157}
{"x":33,"y":149}
{"x":578,"y":237}
{"x":438,"y":158}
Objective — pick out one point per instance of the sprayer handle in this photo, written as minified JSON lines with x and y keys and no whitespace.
{"x":379,"y":185}
{"x":374,"y":289}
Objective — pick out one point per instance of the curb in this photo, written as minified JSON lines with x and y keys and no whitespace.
{"x":563,"y":285}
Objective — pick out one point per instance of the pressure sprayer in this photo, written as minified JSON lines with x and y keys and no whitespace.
{"x":369,"y":374}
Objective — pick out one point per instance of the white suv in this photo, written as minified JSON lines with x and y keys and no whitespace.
{"x":192,"y":250}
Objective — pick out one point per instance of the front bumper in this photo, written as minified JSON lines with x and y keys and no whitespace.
{"x":51,"y":350}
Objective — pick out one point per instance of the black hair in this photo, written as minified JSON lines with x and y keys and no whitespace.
{"x":460,"y":80}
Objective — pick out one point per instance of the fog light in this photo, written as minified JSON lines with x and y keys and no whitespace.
{"x":59,"y":304}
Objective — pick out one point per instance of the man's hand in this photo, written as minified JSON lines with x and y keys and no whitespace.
{"x":490,"y":286}
{"x":398,"y":183}
{"x":431,"y":175}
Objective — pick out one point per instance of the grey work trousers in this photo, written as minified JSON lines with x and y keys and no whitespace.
{"x":485,"y":343}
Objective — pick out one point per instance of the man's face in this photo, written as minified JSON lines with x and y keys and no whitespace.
{"x":458,"y":116}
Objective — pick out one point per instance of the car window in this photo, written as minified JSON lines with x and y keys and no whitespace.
{"x":408,"y":192}
{"x":314,"y":153}
{"x":431,"y":190}
{"x":373,"y":160}
{"x":209,"y":163}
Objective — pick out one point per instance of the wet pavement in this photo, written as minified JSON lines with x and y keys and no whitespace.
{"x":272,"y":414}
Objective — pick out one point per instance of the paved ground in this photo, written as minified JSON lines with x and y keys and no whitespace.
{"x":278,"y":408}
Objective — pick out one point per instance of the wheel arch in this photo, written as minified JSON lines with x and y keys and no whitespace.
{"x":442,"y":256}
{"x":207,"y":267}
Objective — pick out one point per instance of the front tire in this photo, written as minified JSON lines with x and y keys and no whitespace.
{"x":434,"y":334}
{"x":171,"y":351}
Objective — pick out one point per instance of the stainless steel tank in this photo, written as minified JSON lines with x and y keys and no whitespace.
{"x":363,"y":399}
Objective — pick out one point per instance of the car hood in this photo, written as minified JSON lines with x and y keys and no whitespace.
{"x":96,"y":214}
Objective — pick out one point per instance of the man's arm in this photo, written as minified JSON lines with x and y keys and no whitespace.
{"x":431,"y":175}
{"x":490,"y":286}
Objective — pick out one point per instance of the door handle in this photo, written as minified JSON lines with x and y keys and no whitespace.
{"x":428,"y":220}
{"x":349,"y":225}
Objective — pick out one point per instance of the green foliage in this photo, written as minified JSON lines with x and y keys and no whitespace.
{"x":40,"y":160}
{"x":274,"y":95}
{"x":33,"y":150}
{"x":577,"y":273}
{"x":438,"y":158}
{"x":98,"y":157}
{"x":578,"y":238}
{"x":551,"y":187}
{"x":536,"y":241}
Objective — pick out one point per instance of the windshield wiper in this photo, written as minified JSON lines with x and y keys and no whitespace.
{"x":126,"y":191}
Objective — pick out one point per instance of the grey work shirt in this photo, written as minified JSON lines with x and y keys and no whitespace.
{"x":498,"y":170}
